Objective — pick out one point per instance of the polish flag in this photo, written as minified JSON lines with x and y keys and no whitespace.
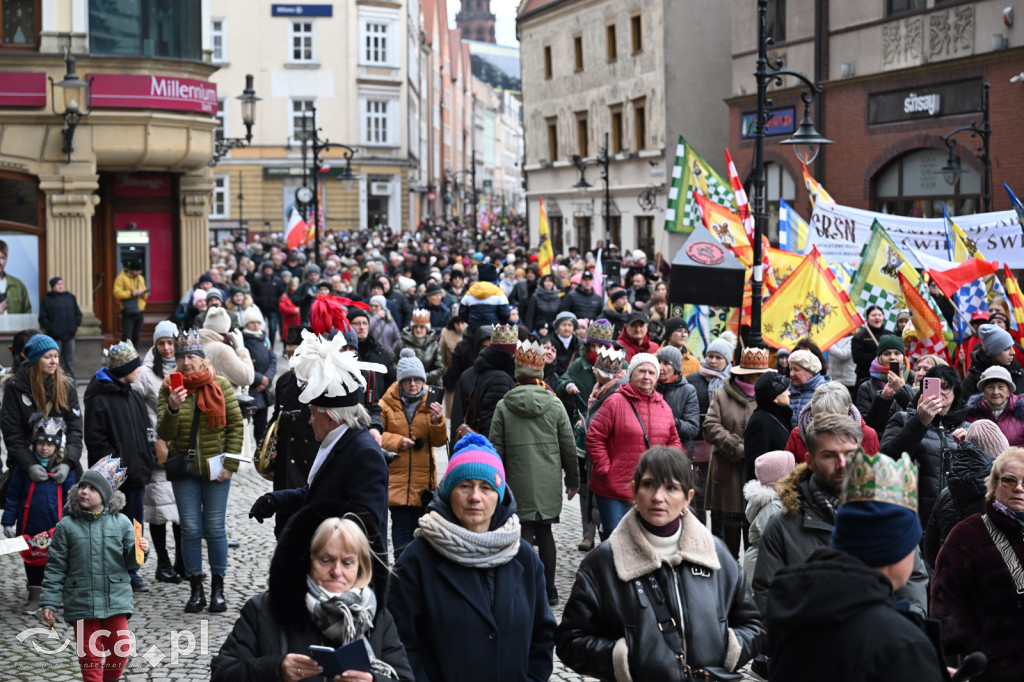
{"x":296,"y":230}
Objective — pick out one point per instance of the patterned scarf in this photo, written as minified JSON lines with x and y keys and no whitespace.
{"x":345,"y":617}
{"x":1006,"y":511}
{"x":715,"y":378}
{"x":823,"y":500}
{"x":209,"y":396}
{"x":466,"y":548}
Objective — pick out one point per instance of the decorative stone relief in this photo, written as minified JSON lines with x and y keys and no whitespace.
{"x":194,"y":204}
{"x":951,"y":33}
{"x":903,"y":43}
{"x":72,"y":204}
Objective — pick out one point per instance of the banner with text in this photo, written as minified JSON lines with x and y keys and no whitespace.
{"x":840,"y":233}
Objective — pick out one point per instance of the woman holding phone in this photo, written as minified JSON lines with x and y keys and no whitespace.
{"x":889,"y":382}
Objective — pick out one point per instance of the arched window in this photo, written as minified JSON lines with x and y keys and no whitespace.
{"x":912,"y":185}
{"x":778,"y":184}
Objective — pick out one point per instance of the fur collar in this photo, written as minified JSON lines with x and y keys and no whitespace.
{"x":788,"y":488}
{"x":635,"y":557}
{"x":758,"y":494}
{"x":73,"y":508}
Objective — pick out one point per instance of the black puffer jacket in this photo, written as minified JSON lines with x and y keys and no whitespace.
{"x":931,"y":447}
{"x":15,"y":422}
{"x":464,"y":354}
{"x":376,"y":384}
{"x":682,"y":398}
{"x":479,"y":390}
{"x":264,"y":363}
{"x":543,"y":307}
{"x":980,"y":361}
{"x":584,"y":306}
{"x":700,"y":384}
{"x":963,"y":495}
{"x":59,"y":315}
{"x":118,"y":425}
{"x":266,"y":291}
{"x":877,"y":410}
{"x":767,"y":430}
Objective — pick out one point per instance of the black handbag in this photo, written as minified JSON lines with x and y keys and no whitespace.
{"x":180,"y":465}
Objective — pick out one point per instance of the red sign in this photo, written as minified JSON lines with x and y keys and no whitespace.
{"x":19,"y":89}
{"x":705,"y":253}
{"x":114,"y":91}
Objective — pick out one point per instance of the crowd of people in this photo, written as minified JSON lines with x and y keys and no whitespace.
{"x":852,"y":492}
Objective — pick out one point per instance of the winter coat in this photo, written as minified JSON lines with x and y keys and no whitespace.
{"x":701,"y":384}
{"x":609,"y":630}
{"x":124,"y":285}
{"x":865,"y":350}
{"x":564,"y":354}
{"x":277,"y":621}
{"x":427,"y":350}
{"x":534,"y":438}
{"x":175,"y":427}
{"x":484,"y":303}
{"x":303,"y":297}
{"x":798,"y":445}
{"x":291,"y":314}
{"x":974,"y":598}
{"x":791,"y":537}
{"x":267,"y":291}
{"x":762,"y":504}
{"x":800,"y":396}
{"x":963,"y":496}
{"x":723,"y":429}
{"x":117,"y":424}
{"x":580,"y":373}
{"x":236,"y":311}
{"x":682,"y":400}
{"x":877,"y":409}
{"x":440,"y":314}
{"x":148,"y":384}
{"x":88,"y":562}
{"x":521,"y":293}
{"x":980,"y":361}
{"x":59,"y":315}
{"x":402,"y":314}
{"x":16,"y":413}
{"x":583,"y":306}
{"x":632,"y":347}
{"x":376,"y":384}
{"x":766,"y":431}
{"x":235,"y":366}
{"x":463,"y":356}
{"x":264,"y":364}
{"x":616,"y":317}
{"x":160,"y":505}
{"x":479,"y":391}
{"x":834,"y":618}
{"x":463,"y":624}
{"x":615,"y":438}
{"x":385,"y":331}
{"x":449,"y":339}
{"x":1010,"y":421}
{"x":841,"y":366}
{"x":931,"y":447}
{"x":542,"y":307}
{"x":44,"y":509}
{"x":413,"y":471}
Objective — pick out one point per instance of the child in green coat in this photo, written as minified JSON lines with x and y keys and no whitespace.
{"x":92,"y":551}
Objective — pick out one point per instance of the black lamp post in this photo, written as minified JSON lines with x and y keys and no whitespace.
{"x":452,"y":177}
{"x":311,"y":140}
{"x":806,"y":142}
{"x":75,"y":91}
{"x":952,"y":170}
{"x":603,"y":160}
{"x":248,"y":99}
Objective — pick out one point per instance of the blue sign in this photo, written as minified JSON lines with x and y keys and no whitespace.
{"x":782,"y":122}
{"x":302,"y":10}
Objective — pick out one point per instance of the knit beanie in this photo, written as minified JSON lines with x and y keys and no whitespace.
{"x":986,"y":435}
{"x":672,"y":356}
{"x":251,"y":314}
{"x":474,"y":458}
{"x":199,"y":295}
{"x":485,"y":272}
{"x":38,"y":346}
{"x":354,"y":312}
{"x":809,"y":361}
{"x":994,"y":339}
{"x":218,"y":320}
{"x":640,"y":359}
{"x":617,"y":293}
{"x":215,"y":293}
{"x":877,"y":533}
{"x":773,"y":465}
{"x":54,"y":280}
{"x":165,"y":330}
{"x":722,"y":347}
{"x":409,"y":366}
{"x":673,"y":324}
{"x":565,"y":315}
{"x":379,"y":300}
{"x":885,"y":342}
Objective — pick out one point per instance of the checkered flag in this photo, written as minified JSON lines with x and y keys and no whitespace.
{"x":970,"y":298}
{"x":889,"y":303}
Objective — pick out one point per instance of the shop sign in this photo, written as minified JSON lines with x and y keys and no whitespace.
{"x":142,"y":185}
{"x":20,"y":89}
{"x":782,"y":122}
{"x":279,"y":172}
{"x":302,"y":10}
{"x":916,"y":103}
{"x":122,"y":91}
{"x":930,"y":101}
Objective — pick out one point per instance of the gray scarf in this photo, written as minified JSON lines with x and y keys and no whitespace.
{"x":466,"y":548}
{"x":345,"y":617}
{"x":410,"y":403}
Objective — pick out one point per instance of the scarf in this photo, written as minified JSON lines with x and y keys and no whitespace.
{"x":715,"y":378}
{"x":748,"y":389}
{"x":603,"y":389}
{"x":1009,"y":513}
{"x":170,"y":364}
{"x":996,"y":411}
{"x":209,"y":396}
{"x":345,"y":617}
{"x":823,"y":500}
{"x":466,"y":548}
{"x":411,"y":403}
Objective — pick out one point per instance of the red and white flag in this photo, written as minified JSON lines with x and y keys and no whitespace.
{"x":296,"y":230}
{"x":742,"y":205}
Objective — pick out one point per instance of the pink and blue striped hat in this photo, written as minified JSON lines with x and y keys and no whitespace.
{"x":474,"y":458}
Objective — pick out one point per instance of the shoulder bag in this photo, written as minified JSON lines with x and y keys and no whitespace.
{"x":181,"y":464}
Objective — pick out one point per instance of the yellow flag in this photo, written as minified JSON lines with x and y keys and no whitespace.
{"x":545,"y":254}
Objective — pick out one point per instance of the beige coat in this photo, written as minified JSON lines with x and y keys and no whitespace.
{"x":233,"y":365}
{"x":723,"y":430}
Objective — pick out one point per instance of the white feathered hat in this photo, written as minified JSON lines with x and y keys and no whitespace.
{"x":333,"y":377}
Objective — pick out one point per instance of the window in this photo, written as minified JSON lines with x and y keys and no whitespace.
{"x":913,"y":185}
{"x":547,"y":62}
{"x":555,"y":223}
{"x":775,"y":20}
{"x":616,"y":130}
{"x":146,"y":28}
{"x":19,"y":24}
{"x":640,"y":122}
{"x":583,"y":232}
{"x":577,"y":47}
{"x":218,"y":41}
{"x":302,"y":41}
{"x":552,"y":138}
{"x":302,"y":109}
{"x":613,"y":229}
{"x":582,"y":137}
{"x":375,"y":122}
{"x":636,"y":32}
{"x":375,"y":44}
{"x":778,"y":185}
{"x":612,"y":47}
{"x":901,"y":6}
{"x":220,"y":202}
{"x":645,"y":233}
{"x":220,"y":132}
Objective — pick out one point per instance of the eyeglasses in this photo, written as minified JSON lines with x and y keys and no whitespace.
{"x":1011,"y":482}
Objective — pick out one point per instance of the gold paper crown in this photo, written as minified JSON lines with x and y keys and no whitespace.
{"x":505,"y":334}
{"x":609,"y":360}
{"x":110,"y":468}
{"x":879,"y":478}
{"x":188,"y":342}
{"x":755,"y":358}
{"x":421,"y":316}
{"x":601,"y":331}
{"x":530,"y":354}
{"x":121,"y":354}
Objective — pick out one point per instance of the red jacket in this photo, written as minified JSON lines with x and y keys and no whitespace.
{"x":796,"y":444}
{"x":290,"y":314}
{"x":632,"y":348}
{"x":615,"y":440}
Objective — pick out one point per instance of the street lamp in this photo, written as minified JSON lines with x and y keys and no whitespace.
{"x":75,"y":91}
{"x":603,"y":160}
{"x":248,"y":99}
{"x":952,"y":170}
{"x":453,"y":176}
{"x":806,"y":142}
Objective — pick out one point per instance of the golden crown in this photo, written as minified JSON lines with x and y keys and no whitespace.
{"x":601,"y":331}
{"x":754,"y":358}
{"x":505,"y":334}
{"x":110,"y":468}
{"x":121,"y":354}
{"x":879,"y":478}
{"x":530,"y":354}
{"x":421,"y":316}
{"x":609,"y":360}
{"x":188,"y":342}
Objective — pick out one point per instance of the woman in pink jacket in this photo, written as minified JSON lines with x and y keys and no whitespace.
{"x":631,"y":421}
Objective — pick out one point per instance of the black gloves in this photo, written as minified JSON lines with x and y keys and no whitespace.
{"x":264,"y":507}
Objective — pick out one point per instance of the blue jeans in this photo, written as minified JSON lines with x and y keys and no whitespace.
{"x":404,"y":520}
{"x":202,"y":508}
{"x":612,"y":511}
{"x":273,"y":324}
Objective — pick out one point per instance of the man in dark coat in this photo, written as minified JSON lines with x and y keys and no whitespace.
{"x":679,"y":394}
{"x":267,"y":288}
{"x":465,"y":354}
{"x":59,"y":318}
{"x":582,"y":301}
{"x":479,"y":390}
{"x":522,"y":292}
{"x":376,"y":384}
{"x":434,"y":301}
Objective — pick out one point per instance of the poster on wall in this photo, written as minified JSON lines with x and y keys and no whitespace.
{"x":19,"y":281}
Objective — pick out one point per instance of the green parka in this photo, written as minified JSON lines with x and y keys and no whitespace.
{"x":175,"y":427}
{"x":531,"y":432}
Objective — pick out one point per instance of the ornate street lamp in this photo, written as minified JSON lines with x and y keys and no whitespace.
{"x":952,"y":170}
{"x":248,"y":99}
{"x":74,"y":91}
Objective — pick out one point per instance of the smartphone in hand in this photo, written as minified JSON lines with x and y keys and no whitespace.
{"x":177,"y":380}
{"x":435,"y":394}
{"x":894,"y":367}
{"x":930,"y":387}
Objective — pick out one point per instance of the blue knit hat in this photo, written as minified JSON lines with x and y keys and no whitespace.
{"x":877,"y":533}
{"x":474,"y":458}
{"x":38,"y":346}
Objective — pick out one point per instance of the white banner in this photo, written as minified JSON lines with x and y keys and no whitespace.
{"x":840,"y":232}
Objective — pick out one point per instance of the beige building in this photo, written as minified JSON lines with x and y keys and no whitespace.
{"x":637,"y":74}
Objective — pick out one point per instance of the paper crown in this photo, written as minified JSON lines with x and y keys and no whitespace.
{"x":110,"y":468}
{"x":188,"y":342}
{"x":505,"y":334}
{"x":530,"y":354}
{"x":50,"y":430}
{"x":421,"y":316}
{"x":752,"y":360}
{"x":601,"y":331}
{"x":879,"y":478}
{"x":609,"y":360}
{"x":121,"y":354}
